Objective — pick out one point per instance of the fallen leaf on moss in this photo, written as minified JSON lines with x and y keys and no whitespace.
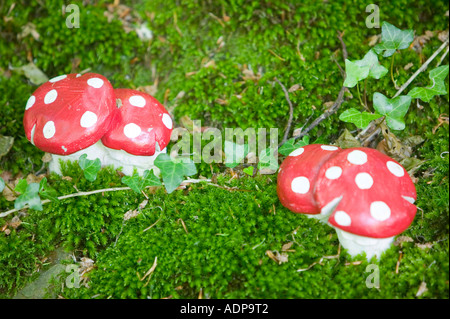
{"x":347,"y":140}
{"x":403,"y":239}
{"x":422,"y":289}
{"x":32,"y":73}
{"x":46,"y":158}
{"x":6,"y":142}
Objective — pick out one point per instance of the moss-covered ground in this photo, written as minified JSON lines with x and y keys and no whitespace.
{"x":216,"y":61}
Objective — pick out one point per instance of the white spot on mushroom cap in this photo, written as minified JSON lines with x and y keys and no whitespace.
{"x":49,"y":129}
{"x":395,"y":169}
{"x":328,"y":147}
{"x":50,"y":97}
{"x":30,"y":102}
{"x":297,"y":152}
{"x":64,"y":148}
{"x":167,"y":121}
{"x":300,"y":185}
{"x":131,"y":130}
{"x":333,"y":172}
{"x":357,"y":157}
{"x":58,"y":78}
{"x":137,"y":100}
{"x":380,"y":211}
{"x":78,"y":75}
{"x":88,"y":119}
{"x":95,"y":82}
{"x":364,"y":181}
{"x":342,"y":218}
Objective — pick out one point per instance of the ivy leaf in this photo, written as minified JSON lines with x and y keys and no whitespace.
{"x":2,"y":184}
{"x":46,"y":191}
{"x":30,"y":196}
{"x":355,"y":73}
{"x":173,"y":171}
{"x":138,"y":184}
{"x":360,"y":119}
{"x":268,"y":159}
{"x":376,"y":70}
{"x":249,"y":170}
{"x":89,"y":167}
{"x":437,"y":85}
{"x":393,"y":39}
{"x":235,"y":153}
{"x":394,"y":109}
{"x":289,"y":146}
{"x":21,"y":186}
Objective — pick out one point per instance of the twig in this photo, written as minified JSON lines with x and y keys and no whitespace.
{"x":291,"y":111}
{"x":113,"y":189}
{"x":442,"y":57}
{"x":337,"y":104}
{"x":151,"y":225}
{"x":421,"y":69}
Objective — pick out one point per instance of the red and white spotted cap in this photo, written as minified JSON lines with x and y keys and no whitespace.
{"x":141,"y":125}
{"x":374,"y":194}
{"x":69,"y":113}
{"x":297,"y":177}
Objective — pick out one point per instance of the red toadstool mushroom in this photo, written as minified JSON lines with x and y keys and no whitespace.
{"x":297,"y":177}
{"x":68,"y":115}
{"x":369,"y":198}
{"x":140,"y":130}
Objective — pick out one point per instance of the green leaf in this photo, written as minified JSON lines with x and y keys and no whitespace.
{"x":173,"y":171}
{"x":89,"y":167}
{"x":21,"y":186}
{"x":376,"y":70}
{"x":2,"y":184}
{"x":393,"y":39}
{"x":268,"y":159}
{"x":289,"y":146}
{"x":354,"y":73}
{"x":30,"y":196}
{"x":437,"y":85}
{"x":249,"y":170}
{"x":46,"y":191}
{"x":360,"y":119}
{"x":394,"y":109}
{"x":234,"y":153}
{"x":138,"y":184}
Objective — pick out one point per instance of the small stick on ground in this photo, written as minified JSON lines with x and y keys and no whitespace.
{"x":291,"y":111}
{"x":337,"y":104}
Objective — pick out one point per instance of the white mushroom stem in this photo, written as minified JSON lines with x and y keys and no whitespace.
{"x":128,"y":162}
{"x":97,"y":150}
{"x":356,"y":245}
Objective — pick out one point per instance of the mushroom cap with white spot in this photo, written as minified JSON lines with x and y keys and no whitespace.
{"x":140,"y":126}
{"x":377,"y":193}
{"x":69,"y":113}
{"x":297,"y":177}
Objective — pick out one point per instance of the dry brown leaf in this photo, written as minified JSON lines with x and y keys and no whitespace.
{"x":422,"y":289}
{"x":46,"y":158}
{"x":296,"y":87}
{"x":374,"y":39}
{"x":424,"y":246}
{"x":403,"y":239}
{"x":15,"y":222}
{"x":287,"y":246}
{"x":408,"y":66}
